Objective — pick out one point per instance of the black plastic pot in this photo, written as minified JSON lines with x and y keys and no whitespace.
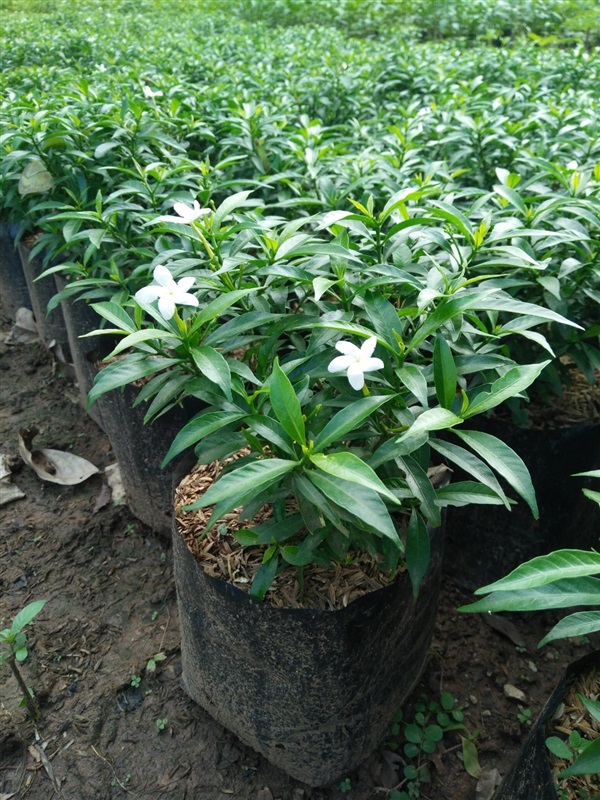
{"x":13,"y":285}
{"x":313,"y":691}
{"x":530,"y":777}
{"x":51,"y":327}
{"x":80,"y":319}
{"x":484,"y":543}
{"x":140,"y":450}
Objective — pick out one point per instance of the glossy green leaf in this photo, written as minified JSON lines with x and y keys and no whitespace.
{"x":363,"y":503}
{"x":212,"y":364}
{"x":250,"y":478}
{"x":546,"y":569}
{"x":199,"y":427}
{"x":26,"y":614}
{"x":286,"y":405}
{"x":412,"y":377}
{"x":444,"y":372}
{"x":348,"y":419}
{"x":434,"y":419}
{"x":512,"y":383}
{"x":560,"y":594}
{"x":352,"y":469}
{"x":586,"y":763}
{"x":128,"y":370}
{"x":505,"y":461}
{"x":580,"y":623}
{"x":471,"y":464}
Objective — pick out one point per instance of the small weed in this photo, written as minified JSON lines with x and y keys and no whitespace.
{"x":153,"y":615}
{"x":135,"y":681}
{"x":161,"y":724}
{"x":13,"y":641}
{"x":346,"y":785}
{"x":151,"y":665}
{"x":422,"y":735}
{"x":524,"y":716}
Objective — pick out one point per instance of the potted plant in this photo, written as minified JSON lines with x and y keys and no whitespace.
{"x":326,"y":390}
{"x":562,"y":579}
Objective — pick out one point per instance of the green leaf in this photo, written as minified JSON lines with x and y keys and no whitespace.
{"x":216,"y":307}
{"x":421,"y":487}
{"x":470,"y":758}
{"x":263,"y":578}
{"x":559,"y":748}
{"x":128,"y":370}
{"x":353,"y":469}
{"x":412,"y":377}
{"x":586,"y":763}
{"x":512,"y":383}
{"x":434,"y":419}
{"x":286,"y":405}
{"x":227,"y":206}
{"x":272,"y":431}
{"x":142,"y":336}
{"x":444,"y":372}
{"x":464,"y":493}
{"x":26,"y":614}
{"x":546,"y":569}
{"x":115,"y":314}
{"x":471,"y":464}
{"x":418,"y":550}
{"x":363,"y":503}
{"x":581,"y":623}
{"x":200,"y":426}
{"x":592,"y":706}
{"x":505,"y":461}
{"x":561,"y":594}
{"x":251,"y":478}
{"x":21,"y":654}
{"x":444,"y":312}
{"x":212,"y":364}
{"x":348,"y":419}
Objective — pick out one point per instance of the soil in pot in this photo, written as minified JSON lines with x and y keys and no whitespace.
{"x":313,"y":690}
{"x":484,"y":543}
{"x":533,"y":775}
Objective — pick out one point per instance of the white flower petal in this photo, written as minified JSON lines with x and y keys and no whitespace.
{"x":355,"y":376}
{"x":184,"y":299}
{"x":147,"y":294}
{"x":367,"y":347}
{"x":371,"y":364}
{"x":162,"y":276}
{"x":166,"y":307}
{"x":185,"y":283}
{"x":340,"y":364}
{"x":348,"y":349}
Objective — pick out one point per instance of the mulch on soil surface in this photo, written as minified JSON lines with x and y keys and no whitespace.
{"x":111,"y":606}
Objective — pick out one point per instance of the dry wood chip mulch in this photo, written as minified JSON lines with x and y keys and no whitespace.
{"x":573,"y":716}
{"x":222,"y":557}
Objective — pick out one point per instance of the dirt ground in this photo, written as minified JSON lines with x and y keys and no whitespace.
{"x":111,"y":606}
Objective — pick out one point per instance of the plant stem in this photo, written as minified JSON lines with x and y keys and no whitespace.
{"x":32,"y":707}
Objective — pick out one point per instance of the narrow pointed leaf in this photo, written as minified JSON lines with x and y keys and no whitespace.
{"x":581,"y":623}
{"x":560,"y":594}
{"x":253,"y":477}
{"x":435,"y":419}
{"x":546,"y":569}
{"x":471,"y":464}
{"x":505,"y":461}
{"x":586,"y":763}
{"x":512,"y":383}
{"x":418,"y":550}
{"x":212,"y":364}
{"x":412,"y":377}
{"x":286,"y":405}
{"x":444,"y":372}
{"x":198,"y":428}
{"x":353,"y":469}
{"x":348,"y":419}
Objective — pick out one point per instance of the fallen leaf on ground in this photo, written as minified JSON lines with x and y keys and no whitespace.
{"x":25,"y":329}
{"x":486,"y":785}
{"x":8,"y":491}
{"x":54,"y":466}
{"x":114,"y":480}
{"x":505,"y":627}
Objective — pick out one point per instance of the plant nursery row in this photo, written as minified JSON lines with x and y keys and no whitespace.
{"x":327,"y":277}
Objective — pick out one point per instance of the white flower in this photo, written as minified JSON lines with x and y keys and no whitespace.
{"x":185,"y":214}
{"x":355,"y":361}
{"x":149,"y":93}
{"x":572,"y":165}
{"x":168,"y":292}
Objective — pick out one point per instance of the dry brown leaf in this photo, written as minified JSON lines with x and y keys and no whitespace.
{"x":54,"y":466}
